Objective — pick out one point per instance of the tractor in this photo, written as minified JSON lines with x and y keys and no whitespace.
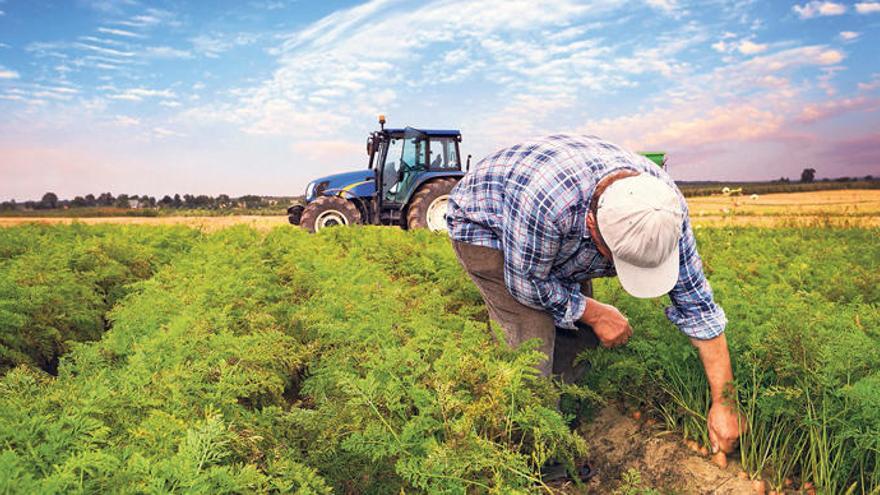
{"x":407,"y":183}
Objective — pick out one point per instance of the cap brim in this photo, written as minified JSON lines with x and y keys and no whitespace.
{"x":648,"y":282}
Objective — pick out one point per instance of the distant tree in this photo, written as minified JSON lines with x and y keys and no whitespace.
{"x":7,"y":205}
{"x":177,"y":201}
{"x":223,"y":201}
{"x":49,"y":201}
{"x":869,"y":177}
{"x":105,"y":199}
{"x":203,"y":201}
{"x":79,"y":202}
{"x":121,"y":201}
{"x":808,"y":175}
{"x":90,"y":200}
{"x":166,"y":202}
{"x":148,"y":201}
{"x":251,"y":201}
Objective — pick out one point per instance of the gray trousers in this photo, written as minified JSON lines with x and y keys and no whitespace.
{"x":520,"y":322}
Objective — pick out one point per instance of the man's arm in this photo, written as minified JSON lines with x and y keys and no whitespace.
{"x":723,"y":422}
{"x":696,"y":314}
{"x":535,"y":221}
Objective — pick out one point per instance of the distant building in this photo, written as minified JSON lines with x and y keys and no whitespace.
{"x":134,"y":204}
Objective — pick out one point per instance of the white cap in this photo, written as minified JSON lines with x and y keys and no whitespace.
{"x":640,"y":219}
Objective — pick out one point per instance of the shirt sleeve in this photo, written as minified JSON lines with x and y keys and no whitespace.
{"x":693,"y":308}
{"x":532,"y":238}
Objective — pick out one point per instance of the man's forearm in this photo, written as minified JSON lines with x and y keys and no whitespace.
{"x":716,"y":363}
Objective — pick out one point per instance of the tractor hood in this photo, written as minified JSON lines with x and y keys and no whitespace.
{"x":360,"y":183}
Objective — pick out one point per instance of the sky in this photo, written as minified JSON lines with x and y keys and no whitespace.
{"x":261,"y":96}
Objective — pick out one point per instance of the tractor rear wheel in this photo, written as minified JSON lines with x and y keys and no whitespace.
{"x":427,"y":208}
{"x":329,"y":211}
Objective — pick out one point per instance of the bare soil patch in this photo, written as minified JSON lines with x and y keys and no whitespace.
{"x":619,"y":443}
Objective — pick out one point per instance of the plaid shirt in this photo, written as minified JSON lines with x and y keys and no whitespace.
{"x":531,"y":200}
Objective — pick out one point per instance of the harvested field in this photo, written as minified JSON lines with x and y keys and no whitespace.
{"x":843,"y":208}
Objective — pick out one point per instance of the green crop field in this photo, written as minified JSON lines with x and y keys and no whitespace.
{"x":160,"y":359}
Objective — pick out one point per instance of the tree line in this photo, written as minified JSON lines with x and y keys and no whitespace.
{"x":50,"y":201}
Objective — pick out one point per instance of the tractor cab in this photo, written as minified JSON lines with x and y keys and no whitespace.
{"x":404,"y":159}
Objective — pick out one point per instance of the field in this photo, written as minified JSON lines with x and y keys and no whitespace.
{"x":847,"y":208}
{"x":165,"y":358}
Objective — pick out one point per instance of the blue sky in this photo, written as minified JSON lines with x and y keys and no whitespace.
{"x":260,"y":96}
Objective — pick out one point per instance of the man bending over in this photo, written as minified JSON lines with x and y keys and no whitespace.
{"x":533,"y":223}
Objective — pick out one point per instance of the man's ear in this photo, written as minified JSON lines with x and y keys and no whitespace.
{"x":591,"y":223}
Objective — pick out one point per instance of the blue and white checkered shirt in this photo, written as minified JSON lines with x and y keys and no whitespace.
{"x":531,"y":200}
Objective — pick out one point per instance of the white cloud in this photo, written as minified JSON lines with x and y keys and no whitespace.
{"x":871,"y":85}
{"x":170,"y":103}
{"x":723,"y":46}
{"x":747,"y":47}
{"x":2,"y":13}
{"x":818,"y":8}
{"x":119,"y":32}
{"x":7,"y":73}
{"x":664,"y":5}
{"x":849,"y":35}
{"x":126,"y":121}
{"x":868,"y":7}
{"x":166,"y":52}
{"x":138,"y":94}
{"x":162,"y":132}
{"x":213,"y":45}
{"x":104,"y":50}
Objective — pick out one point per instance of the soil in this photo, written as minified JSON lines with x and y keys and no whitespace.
{"x":618,"y":443}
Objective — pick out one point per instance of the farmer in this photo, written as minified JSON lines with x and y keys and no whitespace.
{"x":533,"y":223}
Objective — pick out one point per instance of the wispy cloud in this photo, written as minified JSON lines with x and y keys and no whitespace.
{"x":868,"y":7}
{"x":849,"y":35}
{"x":126,"y":121}
{"x":104,"y":50}
{"x":167,"y":52}
{"x":212,"y":45}
{"x":119,"y":32}
{"x":138,"y":94}
{"x":819,"y":8}
{"x":8,"y":73}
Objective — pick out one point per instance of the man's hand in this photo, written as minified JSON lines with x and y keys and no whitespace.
{"x":609,"y":324}
{"x":725,"y":427}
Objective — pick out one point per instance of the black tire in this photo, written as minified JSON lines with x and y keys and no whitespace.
{"x":327,"y":211}
{"x":420,"y":204}
{"x":294,"y":214}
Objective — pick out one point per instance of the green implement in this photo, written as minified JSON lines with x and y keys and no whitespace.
{"x":658,"y":157}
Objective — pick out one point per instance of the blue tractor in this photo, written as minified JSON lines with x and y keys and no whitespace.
{"x":407,"y":183}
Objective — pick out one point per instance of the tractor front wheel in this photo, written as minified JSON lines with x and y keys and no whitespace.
{"x":427,"y":209}
{"x":329,"y":211}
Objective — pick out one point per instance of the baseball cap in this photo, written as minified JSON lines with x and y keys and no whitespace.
{"x":640,"y":219}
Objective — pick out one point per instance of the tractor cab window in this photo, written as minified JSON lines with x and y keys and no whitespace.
{"x":410,"y":159}
{"x":444,"y":154}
